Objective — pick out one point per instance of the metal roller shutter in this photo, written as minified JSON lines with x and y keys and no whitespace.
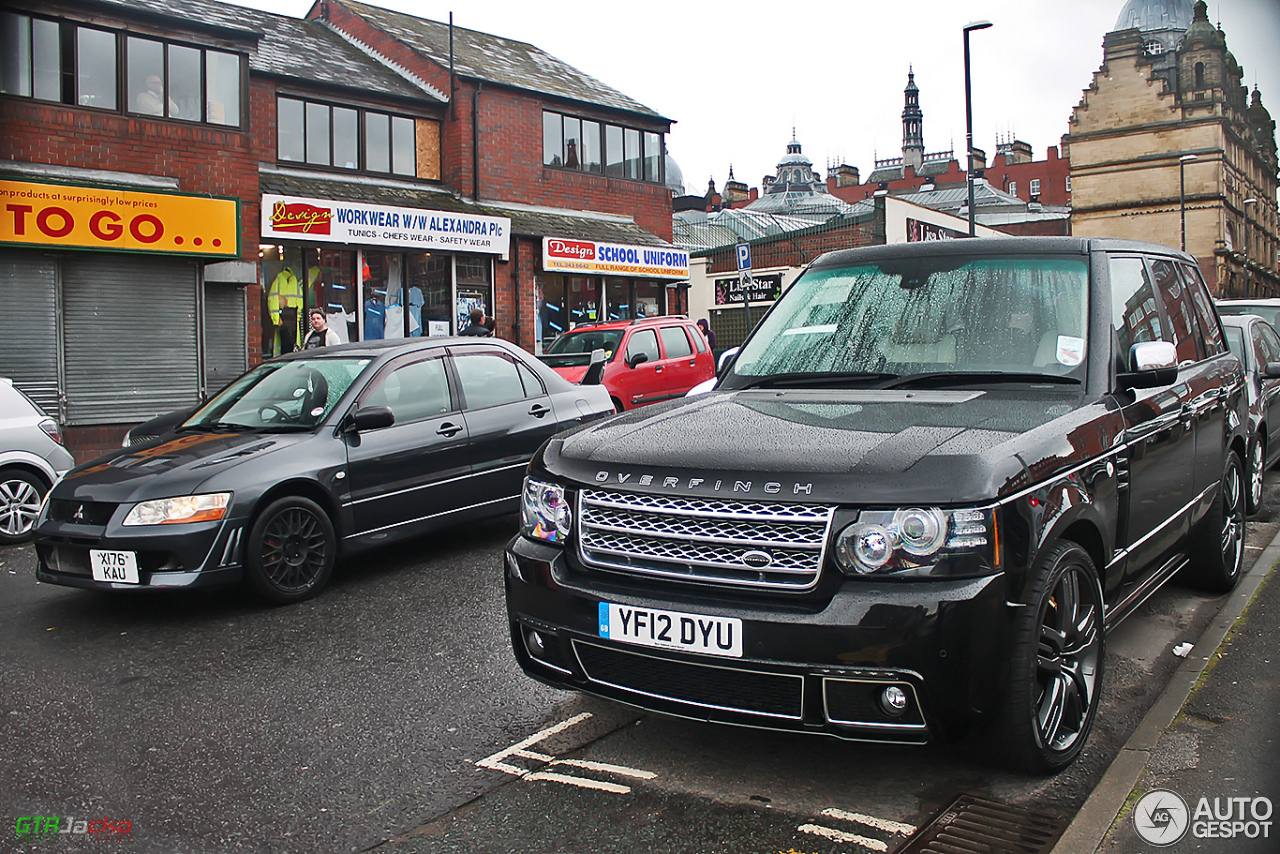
{"x":29,"y":325}
{"x":130,"y":334}
{"x":225,"y":356}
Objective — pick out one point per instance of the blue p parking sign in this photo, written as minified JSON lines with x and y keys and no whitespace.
{"x":744,"y":256}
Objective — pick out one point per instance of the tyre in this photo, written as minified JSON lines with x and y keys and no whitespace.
{"x":20,"y":495}
{"x":1217,"y":543}
{"x":291,"y":551}
{"x":1055,"y":674}
{"x":1257,"y":467}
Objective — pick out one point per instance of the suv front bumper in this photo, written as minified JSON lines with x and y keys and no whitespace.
{"x":804,"y":667}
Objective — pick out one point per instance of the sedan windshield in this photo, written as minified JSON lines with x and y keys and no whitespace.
{"x":925,"y":319}
{"x":292,"y":395}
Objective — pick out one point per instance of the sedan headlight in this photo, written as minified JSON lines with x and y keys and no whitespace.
{"x":544,"y":512}
{"x":184,"y":508}
{"x":916,"y":538}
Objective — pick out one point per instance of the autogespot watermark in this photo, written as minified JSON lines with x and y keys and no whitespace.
{"x":1163,"y":818}
{"x":37,"y":826}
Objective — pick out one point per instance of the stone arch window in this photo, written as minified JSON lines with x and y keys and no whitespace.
{"x":1199,"y":75}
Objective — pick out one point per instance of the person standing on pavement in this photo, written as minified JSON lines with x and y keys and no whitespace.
{"x":320,"y":335}
{"x":708,"y":332}
{"x":477,"y":329}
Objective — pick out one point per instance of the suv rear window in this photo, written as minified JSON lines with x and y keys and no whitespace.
{"x":675,"y":342}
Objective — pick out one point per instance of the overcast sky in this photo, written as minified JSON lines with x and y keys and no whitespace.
{"x":737,"y":77}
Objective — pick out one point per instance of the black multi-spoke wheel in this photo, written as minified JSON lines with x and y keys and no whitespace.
{"x":291,"y":550}
{"x":1257,"y":467}
{"x":1217,"y":543}
{"x":20,"y":496}
{"x":1056,"y":672}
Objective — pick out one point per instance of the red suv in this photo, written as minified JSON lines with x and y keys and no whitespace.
{"x":646,"y":361}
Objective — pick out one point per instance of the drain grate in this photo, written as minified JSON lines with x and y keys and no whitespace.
{"x":971,"y":824}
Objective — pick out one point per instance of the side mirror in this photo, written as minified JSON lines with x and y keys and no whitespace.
{"x":1272,"y":370}
{"x":370,"y":418}
{"x":634,"y":359}
{"x":726,"y":359}
{"x":1151,"y":364}
{"x":595,"y":368}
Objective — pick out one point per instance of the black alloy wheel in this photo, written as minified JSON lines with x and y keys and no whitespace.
{"x":292,"y":550}
{"x":1056,"y":672}
{"x":1257,"y":467}
{"x":20,"y":496}
{"x":1217,"y":543}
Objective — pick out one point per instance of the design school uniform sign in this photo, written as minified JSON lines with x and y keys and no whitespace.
{"x":354,"y":223}
{"x":587,"y":257}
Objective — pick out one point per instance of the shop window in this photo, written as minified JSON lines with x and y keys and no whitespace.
{"x":384,"y":296}
{"x":475,"y":288}
{"x":57,"y":61}
{"x":430,"y":294}
{"x":182,"y":82}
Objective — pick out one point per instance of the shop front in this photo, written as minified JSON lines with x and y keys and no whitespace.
{"x":586,"y":281}
{"x":378,"y":271}
{"x":106,"y":298}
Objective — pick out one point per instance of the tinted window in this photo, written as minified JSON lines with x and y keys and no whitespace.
{"x":1235,"y":341}
{"x":643,"y":341}
{"x":414,"y":391}
{"x":533,"y":386}
{"x":1133,"y":305}
{"x":675,"y":342}
{"x":1270,"y":342}
{"x":488,"y":379}
{"x":699,"y":339}
{"x":1180,"y":324}
{"x":1209,"y":327}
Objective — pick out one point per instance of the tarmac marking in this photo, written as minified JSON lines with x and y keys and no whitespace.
{"x":840,"y":836}
{"x":871,"y":821}
{"x":499,"y":762}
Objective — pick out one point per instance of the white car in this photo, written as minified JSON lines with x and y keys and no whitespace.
{"x":31,"y":459}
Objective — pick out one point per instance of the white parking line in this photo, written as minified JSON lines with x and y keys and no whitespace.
{"x":871,"y":821}
{"x":840,"y":836}
{"x":497,"y":762}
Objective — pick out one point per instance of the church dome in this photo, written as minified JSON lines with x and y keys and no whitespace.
{"x":675,"y":177}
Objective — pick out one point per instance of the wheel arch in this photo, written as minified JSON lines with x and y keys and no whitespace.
{"x":305,"y":489}
{"x":28,"y":468}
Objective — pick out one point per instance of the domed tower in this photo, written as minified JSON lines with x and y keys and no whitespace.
{"x":1163,"y":24}
{"x":912,"y":124}
{"x":1263,"y":128}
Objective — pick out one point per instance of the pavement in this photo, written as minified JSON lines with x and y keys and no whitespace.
{"x":1201,"y":772}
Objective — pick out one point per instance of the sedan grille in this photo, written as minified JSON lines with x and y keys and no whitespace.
{"x":710,"y":541}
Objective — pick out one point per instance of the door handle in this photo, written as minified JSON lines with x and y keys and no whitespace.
{"x":657,"y":369}
{"x":449,"y":430}
{"x":538,"y":410}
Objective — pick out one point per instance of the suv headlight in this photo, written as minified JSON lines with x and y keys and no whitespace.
{"x":184,"y":508}
{"x":915,"y":538}
{"x":544,"y":512}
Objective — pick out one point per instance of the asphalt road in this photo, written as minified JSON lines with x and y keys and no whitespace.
{"x":389,"y":714}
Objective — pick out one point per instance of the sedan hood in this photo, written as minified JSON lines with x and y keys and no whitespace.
{"x":844,"y":446}
{"x":177,"y":466}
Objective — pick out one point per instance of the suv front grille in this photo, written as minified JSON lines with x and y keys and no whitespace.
{"x":709,"y":541}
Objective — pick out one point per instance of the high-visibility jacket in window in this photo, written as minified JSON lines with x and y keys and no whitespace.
{"x":285,"y":292}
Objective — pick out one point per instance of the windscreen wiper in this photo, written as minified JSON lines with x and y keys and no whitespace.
{"x":818,"y":380}
{"x":939,"y":379}
{"x":215,"y":427}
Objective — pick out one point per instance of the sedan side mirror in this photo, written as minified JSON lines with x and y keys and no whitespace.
{"x":1151,"y":365}
{"x":634,"y":359}
{"x":370,"y":418}
{"x":595,"y":368}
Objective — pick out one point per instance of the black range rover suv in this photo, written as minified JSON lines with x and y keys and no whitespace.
{"x":931,"y":481}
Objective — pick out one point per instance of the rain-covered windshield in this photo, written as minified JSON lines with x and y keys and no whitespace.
{"x":925,"y":318}
{"x":283,"y":396}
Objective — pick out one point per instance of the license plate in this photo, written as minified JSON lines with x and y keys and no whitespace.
{"x":672,"y":630}
{"x":121,"y":567}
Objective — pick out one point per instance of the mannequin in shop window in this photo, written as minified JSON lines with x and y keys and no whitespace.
{"x":284,"y":305}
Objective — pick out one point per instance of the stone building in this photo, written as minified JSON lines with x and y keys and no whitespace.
{"x":1167,"y":142}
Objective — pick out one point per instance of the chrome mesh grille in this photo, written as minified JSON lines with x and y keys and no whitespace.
{"x":709,"y":541}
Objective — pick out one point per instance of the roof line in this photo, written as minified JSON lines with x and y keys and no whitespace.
{"x":389,"y":63}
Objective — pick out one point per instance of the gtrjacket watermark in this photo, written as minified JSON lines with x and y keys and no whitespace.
{"x":1162,"y":817}
{"x":52,"y":825}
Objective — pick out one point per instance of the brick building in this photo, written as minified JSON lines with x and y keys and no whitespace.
{"x":183,"y":179}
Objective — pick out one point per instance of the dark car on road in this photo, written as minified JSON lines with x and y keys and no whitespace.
{"x":1255,"y":341}
{"x":647,"y":360}
{"x":309,"y":456}
{"x":931,"y":481}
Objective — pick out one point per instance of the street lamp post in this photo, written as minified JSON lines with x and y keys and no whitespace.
{"x":1248,"y":278}
{"x":968,"y":119}
{"x":1182,"y":193}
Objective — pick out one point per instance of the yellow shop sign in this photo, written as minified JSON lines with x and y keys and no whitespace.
{"x":77,"y":217}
